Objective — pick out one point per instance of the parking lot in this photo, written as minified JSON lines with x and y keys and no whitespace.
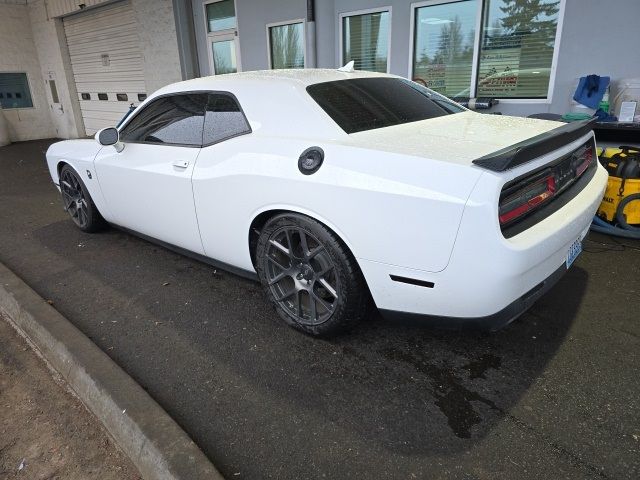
{"x":554,"y":395}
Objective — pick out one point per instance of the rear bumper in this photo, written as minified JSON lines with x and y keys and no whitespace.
{"x":490,"y":279}
{"x":490,"y":322}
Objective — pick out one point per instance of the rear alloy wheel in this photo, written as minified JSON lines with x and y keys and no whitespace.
{"x":309,"y":275}
{"x":78,"y":203}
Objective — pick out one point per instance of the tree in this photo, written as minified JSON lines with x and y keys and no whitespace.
{"x":450,"y":43}
{"x":529,"y":16}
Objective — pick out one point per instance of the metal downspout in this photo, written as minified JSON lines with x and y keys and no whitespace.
{"x":310,"y":29}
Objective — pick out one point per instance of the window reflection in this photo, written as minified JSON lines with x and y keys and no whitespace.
{"x":443,"y":48}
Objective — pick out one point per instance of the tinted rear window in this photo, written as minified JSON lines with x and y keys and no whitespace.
{"x":367,"y":103}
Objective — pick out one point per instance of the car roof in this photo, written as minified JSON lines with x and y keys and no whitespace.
{"x":302,"y":77}
{"x":275,"y":102}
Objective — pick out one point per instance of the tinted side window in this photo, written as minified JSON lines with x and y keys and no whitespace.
{"x":223,"y":119}
{"x":175,"y":119}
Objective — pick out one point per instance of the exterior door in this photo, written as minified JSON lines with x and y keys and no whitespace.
{"x":222,"y":37}
{"x":147,"y":186}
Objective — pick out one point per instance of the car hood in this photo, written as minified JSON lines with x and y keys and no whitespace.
{"x":458,"y":138}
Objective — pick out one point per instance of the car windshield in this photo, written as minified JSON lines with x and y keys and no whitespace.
{"x":363,"y":104}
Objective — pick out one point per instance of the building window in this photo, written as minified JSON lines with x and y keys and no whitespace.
{"x":516,"y":49}
{"x":221,"y":16}
{"x":222,"y":36}
{"x":14,"y":91}
{"x":286,"y":45}
{"x":365,"y":39}
{"x":510,"y":56}
{"x":443,"y":46}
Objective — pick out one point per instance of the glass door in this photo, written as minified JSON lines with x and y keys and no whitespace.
{"x":222,"y":37}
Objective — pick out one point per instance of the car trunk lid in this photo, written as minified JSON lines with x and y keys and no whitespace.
{"x":458,"y":138}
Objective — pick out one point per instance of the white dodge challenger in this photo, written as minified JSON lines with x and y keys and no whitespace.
{"x":335,"y":187}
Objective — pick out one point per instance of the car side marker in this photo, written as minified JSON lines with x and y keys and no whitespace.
{"x":412,"y":281}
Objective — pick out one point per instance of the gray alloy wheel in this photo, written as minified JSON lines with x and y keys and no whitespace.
{"x":309,"y":275}
{"x":78,"y":203}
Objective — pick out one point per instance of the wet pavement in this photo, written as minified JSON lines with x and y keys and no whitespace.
{"x":554,"y":395}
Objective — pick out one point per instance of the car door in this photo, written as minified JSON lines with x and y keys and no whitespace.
{"x":147,"y":186}
{"x":219,"y":191}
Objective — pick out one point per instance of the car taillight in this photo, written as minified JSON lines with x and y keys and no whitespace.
{"x":524,"y":198}
{"x":584,"y":160}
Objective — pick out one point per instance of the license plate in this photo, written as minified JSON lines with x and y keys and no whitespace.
{"x":574,"y":251}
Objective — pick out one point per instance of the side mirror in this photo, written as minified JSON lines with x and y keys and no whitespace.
{"x":110,"y":136}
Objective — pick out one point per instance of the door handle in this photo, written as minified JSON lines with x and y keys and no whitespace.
{"x":181,"y":163}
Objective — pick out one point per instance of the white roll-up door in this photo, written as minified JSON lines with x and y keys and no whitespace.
{"x":106,"y":60}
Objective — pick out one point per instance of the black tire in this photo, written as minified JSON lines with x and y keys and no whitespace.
{"x":78,"y":203}
{"x":320,"y":269}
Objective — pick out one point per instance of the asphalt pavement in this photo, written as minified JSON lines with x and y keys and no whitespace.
{"x":553,"y":395}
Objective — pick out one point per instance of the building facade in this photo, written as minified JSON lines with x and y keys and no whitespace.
{"x":69,"y":68}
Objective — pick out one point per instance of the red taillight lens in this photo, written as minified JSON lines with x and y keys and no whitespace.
{"x":586,"y":159}
{"x":524,"y":199}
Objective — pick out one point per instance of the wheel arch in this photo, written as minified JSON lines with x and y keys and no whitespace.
{"x":93,"y":192}
{"x":261,"y":218}
{"x":60,"y":164}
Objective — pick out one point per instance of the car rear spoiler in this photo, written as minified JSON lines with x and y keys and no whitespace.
{"x":534,"y":147}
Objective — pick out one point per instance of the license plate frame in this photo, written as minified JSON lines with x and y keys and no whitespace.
{"x":574,"y":251}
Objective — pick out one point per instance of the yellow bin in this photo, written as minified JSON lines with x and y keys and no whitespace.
{"x":617,"y":190}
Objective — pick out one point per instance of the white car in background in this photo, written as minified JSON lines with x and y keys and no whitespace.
{"x":333,"y":187}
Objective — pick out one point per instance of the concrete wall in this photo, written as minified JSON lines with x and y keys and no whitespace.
{"x":57,"y":8}
{"x":51,"y":47}
{"x":158,"y":41}
{"x":19,"y":55}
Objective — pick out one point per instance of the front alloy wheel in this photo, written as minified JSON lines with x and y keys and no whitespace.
{"x":77,"y":201}
{"x":308,"y":274}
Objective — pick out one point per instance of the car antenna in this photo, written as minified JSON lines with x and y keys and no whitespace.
{"x":348,"y":68}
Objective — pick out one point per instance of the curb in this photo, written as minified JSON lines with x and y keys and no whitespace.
{"x":153,"y":441}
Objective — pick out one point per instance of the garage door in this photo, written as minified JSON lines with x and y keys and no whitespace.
{"x":107,"y":63}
